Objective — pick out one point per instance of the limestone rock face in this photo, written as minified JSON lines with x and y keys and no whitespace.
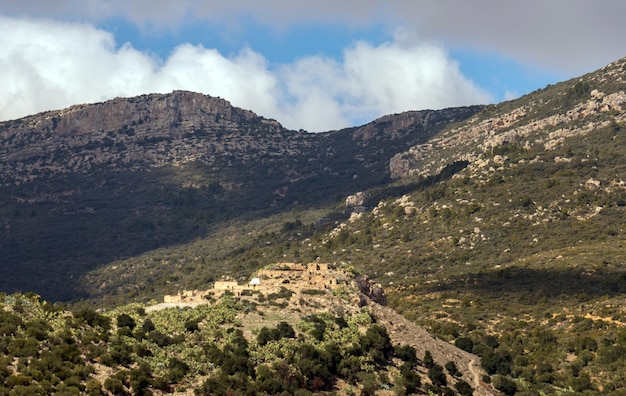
{"x":545,"y":120}
{"x":123,"y":133}
{"x":399,"y":166}
{"x":180,"y":110}
{"x":357,"y":199}
{"x":149,"y":131}
{"x":371,"y":290}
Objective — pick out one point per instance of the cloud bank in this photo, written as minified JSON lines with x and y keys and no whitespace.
{"x":50,"y":64}
{"x":568,"y":35}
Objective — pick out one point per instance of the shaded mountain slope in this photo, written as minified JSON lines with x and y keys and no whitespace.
{"x":83,"y":186}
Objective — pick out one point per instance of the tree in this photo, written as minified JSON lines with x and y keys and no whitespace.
{"x":497,"y":362}
{"x":437,"y":376}
{"x":125,"y":320}
{"x":93,"y":387}
{"x":464,"y":343}
{"x":410,"y":381}
{"x":348,"y":368}
{"x":178,"y":369}
{"x":377,"y":344}
{"x":148,"y":326}
{"x":141,"y":379}
{"x":504,"y":384}
{"x":93,"y":319}
{"x":312,"y":365}
{"x":452,"y":369}
{"x":368,"y":383}
{"x":428,"y":360}
{"x":285,"y":330}
{"x":115,"y":386}
{"x":267,"y":382}
{"x":464,"y":388}
{"x":192,"y":325}
{"x":408,"y":354}
{"x":265,"y":335}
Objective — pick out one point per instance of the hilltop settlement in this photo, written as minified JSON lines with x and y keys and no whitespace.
{"x":295,"y":277}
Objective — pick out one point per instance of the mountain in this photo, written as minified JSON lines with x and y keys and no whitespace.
{"x":519,"y":253}
{"x":84,"y":186}
{"x":500,"y":229}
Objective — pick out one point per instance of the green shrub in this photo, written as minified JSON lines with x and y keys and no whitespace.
{"x":504,"y":384}
{"x":177,"y":370}
{"x":428,"y":360}
{"x":377,"y":344}
{"x":93,"y":319}
{"x":408,"y":354}
{"x":93,"y":387}
{"x":464,"y":388}
{"x":115,"y":386}
{"x":125,"y":320}
{"x":314,"y":292}
{"x":452,"y":369}
{"x":464,"y":343}
{"x":437,"y":376}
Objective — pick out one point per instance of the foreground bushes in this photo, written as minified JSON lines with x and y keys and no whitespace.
{"x":57,"y":352}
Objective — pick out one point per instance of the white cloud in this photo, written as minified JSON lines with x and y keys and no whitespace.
{"x":374,"y":80}
{"x":510,"y":95}
{"x":47,"y":65}
{"x":574,"y":36}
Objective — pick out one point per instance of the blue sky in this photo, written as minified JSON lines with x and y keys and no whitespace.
{"x":501,"y":76}
{"x":313,"y":65}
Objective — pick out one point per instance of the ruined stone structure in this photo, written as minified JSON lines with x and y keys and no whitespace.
{"x":225,"y":285}
{"x":185,"y":296}
{"x":293,"y":276}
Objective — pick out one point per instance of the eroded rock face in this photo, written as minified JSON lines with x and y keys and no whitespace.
{"x":545,"y":120}
{"x":134,"y":133}
{"x":357,"y":199}
{"x":154,"y":130}
{"x":371,"y":290}
{"x":180,"y":110}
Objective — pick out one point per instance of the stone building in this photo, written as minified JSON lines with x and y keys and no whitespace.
{"x":293,"y":276}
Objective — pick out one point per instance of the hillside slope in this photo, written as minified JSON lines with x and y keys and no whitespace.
{"x":503,"y":234}
{"x":84,"y":186}
{"x":520,"y":254}
{"x":289,"y":338}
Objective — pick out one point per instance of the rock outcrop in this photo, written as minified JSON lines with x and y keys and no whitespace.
{"x":357,"y":199}
{"x":371,"y":290}
{"x":576,"y":110}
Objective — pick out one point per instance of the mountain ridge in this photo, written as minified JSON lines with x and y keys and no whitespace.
{"x":592,"y":95}
{"x":502,"y":233}
{"x":162,"y":169}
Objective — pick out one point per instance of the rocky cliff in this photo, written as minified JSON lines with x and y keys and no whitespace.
{"x":543,"y":119}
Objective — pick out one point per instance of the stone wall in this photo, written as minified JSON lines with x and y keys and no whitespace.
{"x":225,"y":285}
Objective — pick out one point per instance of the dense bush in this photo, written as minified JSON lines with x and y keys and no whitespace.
{"x":437,"y":376}
{"x":94,"y":319}
{"x":464,"y":388}
{"x":504,"y":384}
